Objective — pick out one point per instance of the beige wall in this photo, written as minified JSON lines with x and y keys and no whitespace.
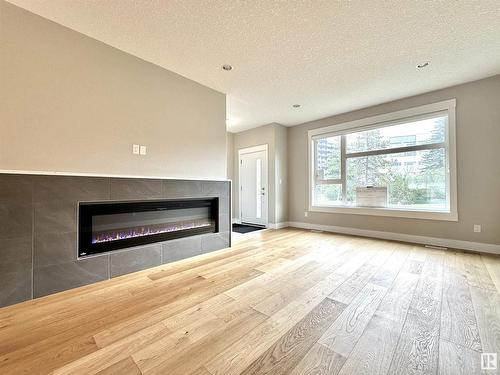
{"x":230,"y":155}
{"x":274,"y":135}
{"x":478,"y":163}
{"x":70,"y":103}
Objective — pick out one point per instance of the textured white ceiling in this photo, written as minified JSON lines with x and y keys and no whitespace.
{"x":329,"y":56}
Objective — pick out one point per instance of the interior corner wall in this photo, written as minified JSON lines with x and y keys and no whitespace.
{"x":230,"y":165}
{"x":478,"y":160}
{"x":249,"y":138}
{"x":69,"y":103}
{"x":281,"y":173}
{"x":275,"y":136}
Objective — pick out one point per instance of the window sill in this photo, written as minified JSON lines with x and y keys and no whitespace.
{"x":388,"y":212}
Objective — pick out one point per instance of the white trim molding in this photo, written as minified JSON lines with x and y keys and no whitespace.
{"x":424,"y":240}
{"x":389,"y":119}
{"x":85,"y":174}
{"x":249,"y":150}
{"x":278,"y":225}
{"x":375,"y":211}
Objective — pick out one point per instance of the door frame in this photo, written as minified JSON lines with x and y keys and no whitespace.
{"x":249,"y":150}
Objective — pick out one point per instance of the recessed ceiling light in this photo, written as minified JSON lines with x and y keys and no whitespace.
{"x":296,"y":106}
{"x":227,"y":67}
{"x":422,"y":65}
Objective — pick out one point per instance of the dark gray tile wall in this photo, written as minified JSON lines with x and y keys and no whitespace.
{"x":182,"y":189}
{"x":213,"y":241}
{"x":63,"y":276}
{"x":55,"y":264}
{"x":16,"y":207}
{"x":181,"y":249}
{"x":136,"y":259}
{"x":137,"y":188}
{"x":38,"y":219}
{"x":15,"y":270}
{"x":16,"y":231}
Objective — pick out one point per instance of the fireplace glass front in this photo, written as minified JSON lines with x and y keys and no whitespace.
{"x":107,"y":226}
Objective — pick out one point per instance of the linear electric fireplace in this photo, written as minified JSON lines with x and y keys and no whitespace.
{"x":107,"y":226}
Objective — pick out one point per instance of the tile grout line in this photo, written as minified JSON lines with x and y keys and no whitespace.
{"x":32,"y":239}
{"x":109,"y":255}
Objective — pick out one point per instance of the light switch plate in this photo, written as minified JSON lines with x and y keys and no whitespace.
{"x":143,"y":150}
{"x":477,"y":228}
{"x":135,"y":149}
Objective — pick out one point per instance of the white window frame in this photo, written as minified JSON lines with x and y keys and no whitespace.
{"x":388,"y":119}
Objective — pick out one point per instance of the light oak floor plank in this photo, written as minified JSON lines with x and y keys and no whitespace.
{"x":204,"y":350}
{"x":477,"y":273}
{"x":239,"y":356}
{"x":487,"y":311}
{"x":319,"y":360}
{"x":125,"y":366}
{"x":458,"y":322}
{"x":374,"y":350}
{"x":343,"y":334}
{"x":287,"y":352}
{"x":286,"y":301}
{"x":457,"y":360}
{"x":493,"y":266}
{"x":417,"y":351}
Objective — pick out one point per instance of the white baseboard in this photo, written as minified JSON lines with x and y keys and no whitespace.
{"x":236,"y":220}
{"x":434,"y":241}
{"x":278,"y":225}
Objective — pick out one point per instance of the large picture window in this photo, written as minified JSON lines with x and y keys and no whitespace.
{"x":398,"y":164}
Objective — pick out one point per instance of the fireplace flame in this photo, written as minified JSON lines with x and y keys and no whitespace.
{"x":122,"y":234}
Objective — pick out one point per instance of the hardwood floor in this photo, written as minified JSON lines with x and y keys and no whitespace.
{"x":279,"y":302}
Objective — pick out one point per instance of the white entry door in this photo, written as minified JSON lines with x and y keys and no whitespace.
{"x":253,"y":187}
